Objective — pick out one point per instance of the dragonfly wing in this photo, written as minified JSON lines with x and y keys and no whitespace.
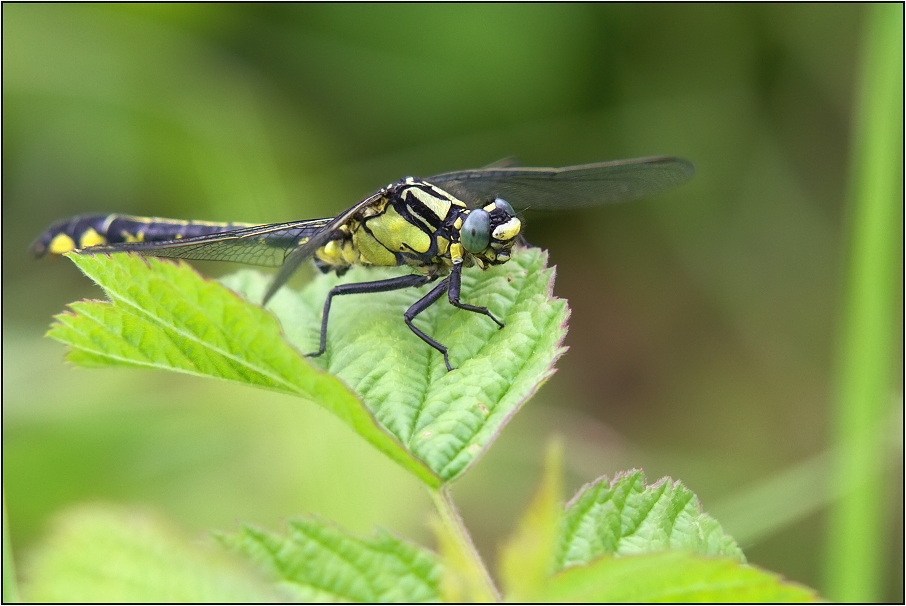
{"x":507,"y":162}
{"x":316,"y":241}
{"x":568,"y":187}
{"x":264,"y":245}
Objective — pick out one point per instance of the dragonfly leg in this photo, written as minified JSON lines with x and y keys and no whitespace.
{"x":455,"y":285}
{"x":401,"y":282}
{"x":421,"y":305}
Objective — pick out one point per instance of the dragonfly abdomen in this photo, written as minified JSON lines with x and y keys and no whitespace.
{"x":84,"y":231}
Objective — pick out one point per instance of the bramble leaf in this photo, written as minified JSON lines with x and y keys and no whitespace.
{"x":104,"y":554}
{"x":446,"y":419}
{"x":319,"y":562}
{"x":673,"y":577}
{"x":163,"y":315}
{"x":625,"y":517}
{"x":623,"y":541}
{"x":433,"y":422}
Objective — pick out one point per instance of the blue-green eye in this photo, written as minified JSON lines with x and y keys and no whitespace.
{"x":504,"y":205}
{"x":476,"y":231}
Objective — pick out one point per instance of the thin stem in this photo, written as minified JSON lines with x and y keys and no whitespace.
{"x":471,"y":564}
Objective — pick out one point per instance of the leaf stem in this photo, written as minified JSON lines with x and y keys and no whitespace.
{"x":471,"y":565}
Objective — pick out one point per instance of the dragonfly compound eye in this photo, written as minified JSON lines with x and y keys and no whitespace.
{"x":476,"y":231}
{"x":503,"y":205}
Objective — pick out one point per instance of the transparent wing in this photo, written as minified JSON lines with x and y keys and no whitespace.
{"x":315,"y":241}
{"x":265,"y":245}
{"x":568,"y":187}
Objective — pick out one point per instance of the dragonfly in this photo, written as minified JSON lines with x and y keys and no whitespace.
{"x":435,"y":226}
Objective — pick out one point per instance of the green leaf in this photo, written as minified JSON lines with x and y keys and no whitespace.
{"x":163,"y":315}
{"x":623,"y":541}
{"x":672,"y":577}
{"x":101,"y":554}
{"x":433,"y":422}
{"x":446,"y":419}
{"x":626,"y":517}
{"x":318,"y":562}
{"x":526,"y":559}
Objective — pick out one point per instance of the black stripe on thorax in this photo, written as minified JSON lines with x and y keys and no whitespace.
{"x":410,"y":206}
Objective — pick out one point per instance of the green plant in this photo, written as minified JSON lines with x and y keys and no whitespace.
{"x":868,"y":324}
{"x":618,"y":539}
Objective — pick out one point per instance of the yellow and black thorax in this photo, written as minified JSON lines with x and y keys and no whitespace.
{"x":417,"y":224}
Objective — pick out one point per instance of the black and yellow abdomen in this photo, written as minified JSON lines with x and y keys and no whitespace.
{"x":84,"y":231}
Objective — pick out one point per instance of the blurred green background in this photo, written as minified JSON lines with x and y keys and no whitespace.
{"x":703,"y":326}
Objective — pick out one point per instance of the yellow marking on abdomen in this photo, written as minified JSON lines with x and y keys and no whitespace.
{"x":91,"y":238}
{"x":60,"y":244}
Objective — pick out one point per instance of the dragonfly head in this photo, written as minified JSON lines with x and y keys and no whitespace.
{"x":490,"y":232}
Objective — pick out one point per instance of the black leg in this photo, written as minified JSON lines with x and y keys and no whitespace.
{"x":389,"y":284}
{"x":421,"y":305}
{"x":450,"y":285}
{"x":455,"y":280}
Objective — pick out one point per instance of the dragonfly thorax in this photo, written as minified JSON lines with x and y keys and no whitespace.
{"x":415,"y":223}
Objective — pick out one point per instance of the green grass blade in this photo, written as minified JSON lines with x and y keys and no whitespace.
{"x":770,"y":505}
{"x":869,"y":327}
{"x":318,"y":562}
{"x":626,"y":517}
